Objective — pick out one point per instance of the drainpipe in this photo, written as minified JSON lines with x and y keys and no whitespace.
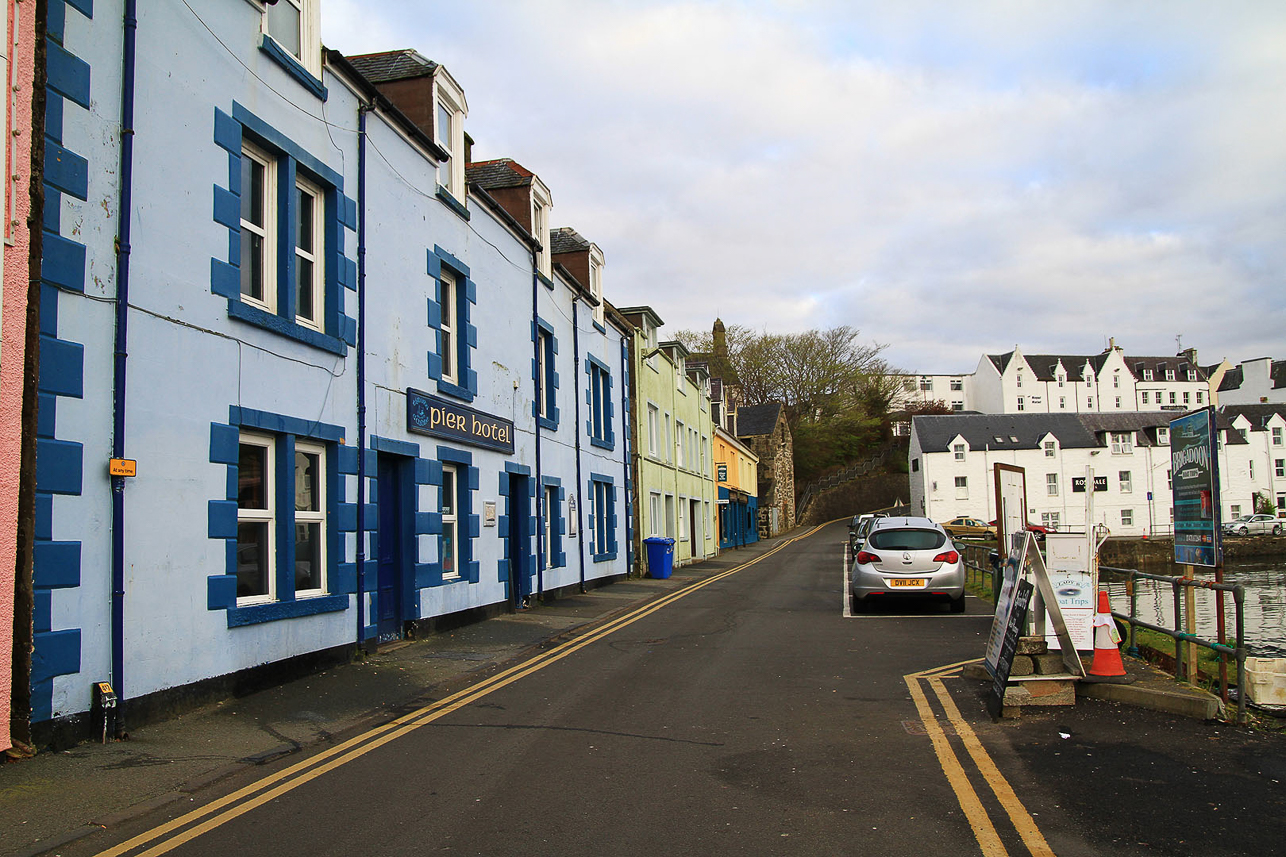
{"x":541,"y":393}
{"x":576,"y":389}
{"x":121,"y":354}
{"x":362,"y":110}
{"x":627,"y":443}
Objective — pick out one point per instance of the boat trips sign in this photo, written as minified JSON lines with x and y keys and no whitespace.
{"x":1194,"y":467}
{"x":430,"y":415}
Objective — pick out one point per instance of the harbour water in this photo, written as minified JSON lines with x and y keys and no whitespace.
{"x":1264,"y":581}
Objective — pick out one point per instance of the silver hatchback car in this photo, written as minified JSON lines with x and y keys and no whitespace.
{"x":907,"y":557}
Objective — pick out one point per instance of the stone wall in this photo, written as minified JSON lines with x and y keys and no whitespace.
{"x":877,"y":491}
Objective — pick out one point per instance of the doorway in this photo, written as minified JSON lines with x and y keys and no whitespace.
{"x":519,"y":537}
{"x":392,"y":537}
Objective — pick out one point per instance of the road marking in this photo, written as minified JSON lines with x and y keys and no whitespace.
{"x":984,"y":830}
{"x":260,"y":792}
{"x":1018,"y":814}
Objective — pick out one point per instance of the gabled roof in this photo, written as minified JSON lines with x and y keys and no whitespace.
{"x":500,"y":173}
{"x":1258,"y":415}
{"x":757,"y":420}
{"x":568,"y":240}
{"x":388,"y":66}
{"x":1159,"y":365}
{"x":981,"y":431}
{"x":1044,"y":365}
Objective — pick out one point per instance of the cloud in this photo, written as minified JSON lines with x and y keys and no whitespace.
{"x":951,"y":180}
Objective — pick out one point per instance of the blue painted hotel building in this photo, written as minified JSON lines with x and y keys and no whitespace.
{"x":359,"y":392}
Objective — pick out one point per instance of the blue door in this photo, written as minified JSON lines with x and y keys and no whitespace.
{"x":520,"y":560}
{"x":392,"y":551}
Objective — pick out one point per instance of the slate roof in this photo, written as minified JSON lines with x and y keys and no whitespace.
{"x":1278,"y":374}
{"x":1026,"y":431}
{"x":388,"y":66}
{"x":981,"y":430}
{"x":1258,"y":415}
{"x":757,"y":420}
{"x":500,"y":173}
{"x":1231,"y":379}
{"x":568,"y":240}
{"x":1044,"y":365}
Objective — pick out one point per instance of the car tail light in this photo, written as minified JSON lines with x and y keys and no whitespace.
{"x":948,"y":556}
{"x":866,"y":557}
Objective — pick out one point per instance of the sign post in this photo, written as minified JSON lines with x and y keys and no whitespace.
{"x":1194,"y":470}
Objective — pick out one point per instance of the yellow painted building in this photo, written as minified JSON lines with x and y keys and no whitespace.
{"x":737,"y":481}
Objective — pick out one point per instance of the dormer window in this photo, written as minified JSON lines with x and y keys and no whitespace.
{"x":448,"y":132}
{"x":1147,"y":374}
{"x":540,"y":206}
{"x":596,"y":283}
{"x":295,"y":26}
{"x":1192,"y":374}
{"x":1169,"y":374}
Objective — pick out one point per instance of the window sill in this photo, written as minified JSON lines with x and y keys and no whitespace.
{"x":254,"y":614}
{"x":449,"y":200}
{"x":455,"y":390}
{"x":547,"y":423}
{"x":601,"y":444}
{"x":545,"y":281}
{"x":276,"y":324}
{"x":292,"y":66}
{"x":605,"y":557}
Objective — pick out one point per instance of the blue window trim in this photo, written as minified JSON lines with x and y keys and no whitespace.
{"x":469,"y":525}
{"x":292,"y":66}
{"x":549,"y":384}
{"x":466,"y":334}
{"x":602,"y":552}
{"x":339,"y":331}
{"x":340,"y":576}
{"x":556,"y":557}
{"x":606,"y":439}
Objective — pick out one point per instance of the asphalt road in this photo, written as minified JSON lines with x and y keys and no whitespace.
{"x":750,"y":715}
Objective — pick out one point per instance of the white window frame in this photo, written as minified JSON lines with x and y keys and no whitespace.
{"x":314,"y":516}
{"x":1051,"y":449}
{"x":680,"y":458}
{"x":1279,"y":467}
{"x":541,"y":203}
{"x":962,"y":487}
{"x":450,"y":520}
{"x":1051,"y":484}
{"x":309,"y":55}
{"x":1163,"y":436}
{"x":316,"y":257}
{"x":448,"y":98}
{"x":266,"y":233}
{"x":1277,"y":435}
{"x":596,"y":283}
{"x":551,"y":510}
{"x":652,"y":430}
{"x":1147,"y":374}
{"x":1122,"y":443}
{"x":266,"y":515}
{"x":544,"y":344}
{"x":1127,"y":481}
{"x":654,"y":513}
{"x":1127,"y":517}
{"x":448,"y":344}
{"x":959,"y":451}
{"x":1145,"y":397}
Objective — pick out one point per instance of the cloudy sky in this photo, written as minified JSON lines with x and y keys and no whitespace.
{"x":950,"y":178}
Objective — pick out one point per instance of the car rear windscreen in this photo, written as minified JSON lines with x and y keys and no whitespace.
{"x":906,"y":540}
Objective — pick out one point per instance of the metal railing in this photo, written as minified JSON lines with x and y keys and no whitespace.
{"x":1219,"y":646}
{"x":981,"y":567}
{"x":978,"y":564}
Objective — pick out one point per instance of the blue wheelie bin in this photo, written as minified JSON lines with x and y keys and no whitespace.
{"x":660,"y":556}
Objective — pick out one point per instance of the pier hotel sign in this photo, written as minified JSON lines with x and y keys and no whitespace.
{"x":436,"y":417}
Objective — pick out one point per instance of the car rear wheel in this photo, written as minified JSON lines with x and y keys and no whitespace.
{"x":859,"y":605}
{"x":1277,"y":529}
{"x":957,"y":604}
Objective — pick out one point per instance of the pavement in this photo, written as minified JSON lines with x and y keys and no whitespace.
{"x":57,"y":798}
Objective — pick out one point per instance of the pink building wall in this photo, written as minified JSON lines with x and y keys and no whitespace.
{"x":13,"y":319}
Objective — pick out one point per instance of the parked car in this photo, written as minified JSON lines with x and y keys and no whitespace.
{"x":859,"y":527}
{"x":907,"y":558}
{"x":969,"y":528}
{"x":1039,"y":529}
{"x":1247,"y":524}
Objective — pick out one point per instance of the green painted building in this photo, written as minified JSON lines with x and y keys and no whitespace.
{"x":674,"y":488}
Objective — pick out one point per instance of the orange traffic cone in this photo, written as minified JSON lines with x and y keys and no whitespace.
{"x":1107,"y":656}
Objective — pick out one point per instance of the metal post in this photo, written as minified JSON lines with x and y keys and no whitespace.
{"x":1178,"y":623}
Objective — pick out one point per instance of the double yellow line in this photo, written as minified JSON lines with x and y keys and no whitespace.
{"x":983,"y":830}
{"x":218,"y":812}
